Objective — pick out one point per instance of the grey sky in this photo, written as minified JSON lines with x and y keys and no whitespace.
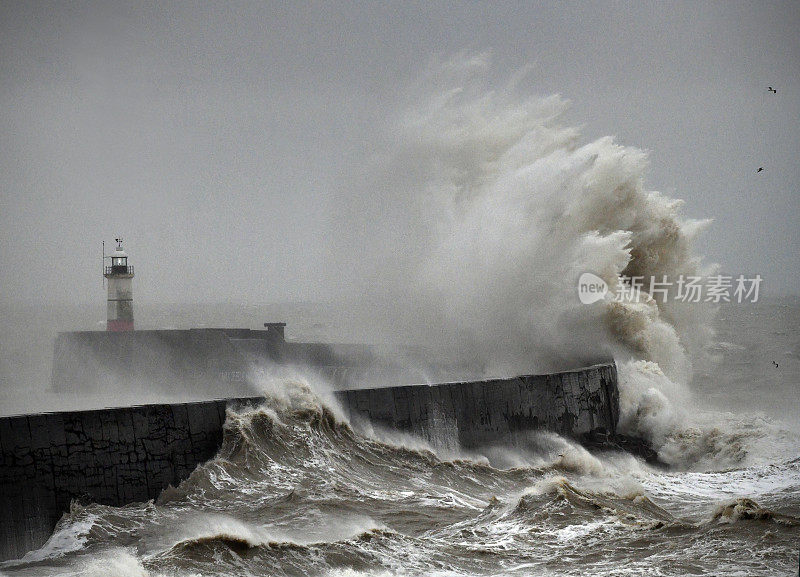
{"x":219,"y":139}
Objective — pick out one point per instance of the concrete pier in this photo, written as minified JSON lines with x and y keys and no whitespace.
{"x":112,"y":457}
{"x":572,"y":403}
{"x":130,"y":454}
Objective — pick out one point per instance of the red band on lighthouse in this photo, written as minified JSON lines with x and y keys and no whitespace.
{"x":118,"y":325}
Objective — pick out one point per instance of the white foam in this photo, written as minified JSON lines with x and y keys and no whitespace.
{"x":115,"y":562}
{"x":68,"y":537}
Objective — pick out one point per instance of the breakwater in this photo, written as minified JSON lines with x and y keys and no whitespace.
{"x":572,"y":403}
{"x":130,"y":454}
{"x":111,"y":456}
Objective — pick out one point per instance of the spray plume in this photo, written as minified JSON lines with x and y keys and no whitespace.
{"x":484,"y":213}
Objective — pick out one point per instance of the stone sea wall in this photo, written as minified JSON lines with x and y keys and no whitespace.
{"x":130,"y":454}
{"x":573,"y":403}
{"x":110,"y":456}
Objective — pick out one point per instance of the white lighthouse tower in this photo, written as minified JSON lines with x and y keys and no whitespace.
{"x":120,"y":291}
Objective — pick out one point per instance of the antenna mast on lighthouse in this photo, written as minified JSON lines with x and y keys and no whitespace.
{"x":120,"y":290}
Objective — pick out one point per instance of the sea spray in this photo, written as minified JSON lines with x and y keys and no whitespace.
{"x":497,"y":208}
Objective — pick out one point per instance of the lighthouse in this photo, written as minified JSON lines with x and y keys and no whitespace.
{"x":120,"y":291}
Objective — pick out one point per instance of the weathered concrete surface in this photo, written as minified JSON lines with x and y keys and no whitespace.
{"x":573,"y":403}
{"x":123,"y":455}
{"x":112,"y":457}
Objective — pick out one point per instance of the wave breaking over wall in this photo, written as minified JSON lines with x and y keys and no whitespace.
{"x":482,"y":214}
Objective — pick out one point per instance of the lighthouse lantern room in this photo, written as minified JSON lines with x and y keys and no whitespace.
{"x":120,"y":291}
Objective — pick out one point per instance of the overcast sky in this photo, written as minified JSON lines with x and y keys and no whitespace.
{"x":218,"y":138}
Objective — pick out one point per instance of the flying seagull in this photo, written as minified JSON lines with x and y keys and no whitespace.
{"x":771,"y":89}
{"x":760,"y":168}
{"x":776,"y":364}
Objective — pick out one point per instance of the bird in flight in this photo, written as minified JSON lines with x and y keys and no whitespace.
{"x":776,"y":364}
{"x":760,"y":168}
{"x":771,"y":89}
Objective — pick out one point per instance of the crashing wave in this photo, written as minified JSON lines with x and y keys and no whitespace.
{"x":744,"y":509}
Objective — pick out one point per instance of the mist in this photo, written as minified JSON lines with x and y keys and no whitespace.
{"x":495,"y":209}
{"x":221,"y":142}
{"x":436,"y":176}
